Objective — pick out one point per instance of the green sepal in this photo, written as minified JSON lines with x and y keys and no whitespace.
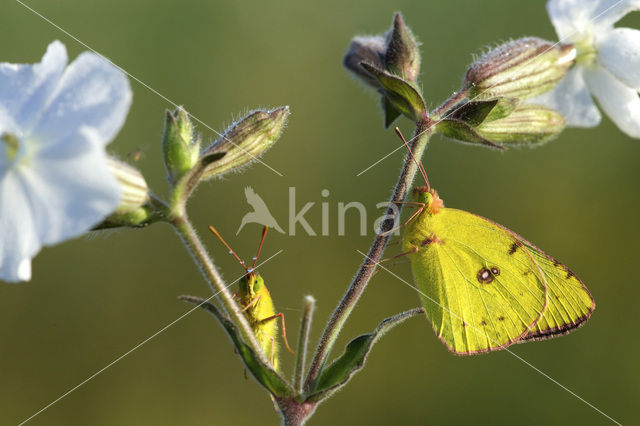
{"x":463,"y":132}
{"x":390,"y":112}
{"x":354,"y":357}
{"x":263,"y":373}
{"x":401,"y":94}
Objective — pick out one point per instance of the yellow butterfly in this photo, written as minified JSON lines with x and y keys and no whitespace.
{"x":484,"y":287}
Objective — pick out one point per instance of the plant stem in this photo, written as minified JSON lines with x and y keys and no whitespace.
{"x":330,"y":334}
{"x":446,"y":106}
{"x":200,"y":256}
{"x":303,"y":340}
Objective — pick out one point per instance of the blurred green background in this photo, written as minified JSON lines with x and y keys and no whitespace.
{"x":93,"y":299}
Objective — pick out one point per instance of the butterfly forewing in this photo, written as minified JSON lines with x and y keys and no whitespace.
{"x":478,"y":292}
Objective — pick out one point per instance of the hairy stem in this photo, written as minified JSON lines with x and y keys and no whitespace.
{"x":219,"y":288}
{"x":330,"y":334}
{"x":446,"y":106}
{"x":303,"y":340}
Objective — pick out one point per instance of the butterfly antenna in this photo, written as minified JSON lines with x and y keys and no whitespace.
{"x":419,"y":164}
{"x":217,"y":234}
{"x":255,"y":259}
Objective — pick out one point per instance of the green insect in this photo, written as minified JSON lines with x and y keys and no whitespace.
{"x":484,"y":287}
{"x":257,"y":305}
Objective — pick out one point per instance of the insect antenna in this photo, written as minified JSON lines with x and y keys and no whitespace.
{"x":255,"y":259}
{"x":419,"y":164}
{"x":217,"y":234}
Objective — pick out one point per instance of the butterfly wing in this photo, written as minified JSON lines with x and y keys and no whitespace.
{"x":479,"y":294}
{"x":569,"y":302}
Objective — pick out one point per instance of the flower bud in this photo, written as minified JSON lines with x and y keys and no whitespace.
{"x":369,"y":50}
{"x":521,"y":69}
{"x":135,"y":192}
{"x":244,"y":141}
{"x":402,"y":55}
{"x":527,"y":124}
{"x":180,"y":150}
{"x":134,"y":209}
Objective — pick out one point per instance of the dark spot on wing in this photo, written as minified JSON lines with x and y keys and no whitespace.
{"x":501,"y":318}
{"x":483,"y":322}
{"x":525,"y":273}
{"x":486,"y":276}
{"x":432,"y":239}
{"x":514,"y":247}
{"x":464,"y":324}
{"x":570,"y":274}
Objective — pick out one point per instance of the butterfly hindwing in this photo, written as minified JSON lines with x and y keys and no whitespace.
{"x":570,"y":304}
{"x":479,"y":293}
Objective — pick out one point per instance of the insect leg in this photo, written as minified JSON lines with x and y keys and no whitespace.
{"x":284,"y":329}
{"x":252,"y":303}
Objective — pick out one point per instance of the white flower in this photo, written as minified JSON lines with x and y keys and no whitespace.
{"x":54,"y":125}
{"x":607,"y":65}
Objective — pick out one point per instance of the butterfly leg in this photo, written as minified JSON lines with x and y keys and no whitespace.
{"x":386,"y":259}
{"x":284,"y":328}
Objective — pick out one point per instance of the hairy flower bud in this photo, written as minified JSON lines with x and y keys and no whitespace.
{"x":135,"y":192}
{"x":519,"y":69}
{"x":134,"y":209}
{"x":244,"y":141}
{"x":369,"y":50}
{"x":180,"y":149}
{"x":527,"y":124}
{"x":402,"y":55}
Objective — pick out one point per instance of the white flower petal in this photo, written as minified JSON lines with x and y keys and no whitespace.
{"x":79,"y":203}
{"x":57,"y":184}
{"x":620,"y":102}
{"x":572,"y":17}
{"x":92,"y":93}
{"x":571,"y":98}
{"x":19,"y":242}
{"x":619,"y":51}
{"x":25,"y":88}
{"x":608,"y":12}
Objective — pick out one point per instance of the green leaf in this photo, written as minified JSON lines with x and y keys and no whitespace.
{"x":390,"y":113}
{"x":463,"y":132}
{"x":211,"y":158}
{"x":474,"y":112}
{"x":477,"y":112}
{"x":263,"y":373}
{"x":402,"y":95}
{"x":342,"y":369}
